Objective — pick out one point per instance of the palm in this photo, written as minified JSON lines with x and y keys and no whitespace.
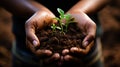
{"x":35,"y":23}
{"x":88,"y":27}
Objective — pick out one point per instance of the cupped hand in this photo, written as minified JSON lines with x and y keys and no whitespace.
{"x":88,"y":28}
{"x":35,"y":23}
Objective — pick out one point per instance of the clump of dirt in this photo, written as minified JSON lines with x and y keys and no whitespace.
{"x":57,"y":41}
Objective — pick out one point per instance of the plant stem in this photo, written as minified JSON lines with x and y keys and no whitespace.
{"x":61,"y":25}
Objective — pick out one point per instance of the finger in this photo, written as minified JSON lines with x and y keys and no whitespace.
{"x":53,"y":58}
{"x":87,"y":40}
{"x":43,"y":53}
{"x":30,"y":46}
{"x":65,"y":51}
{"x":30,"y":34}
{"x":73,"y":61}
{"x":40,"y":53}
{"x":79,"y":51}
{"x":88,"y":48}
{"x":76,"y":51}
{"x":91,"y":32}
{"x":71,"y":58}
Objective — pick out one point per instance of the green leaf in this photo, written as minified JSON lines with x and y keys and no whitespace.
{"x":57,"y":18}
{"x":60,"y":11}
{"x":67,"y":16}
{"x":53,"y":26}
{"x":59,"y":28}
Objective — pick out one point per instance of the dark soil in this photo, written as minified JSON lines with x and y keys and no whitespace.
{"x":57,"y":40}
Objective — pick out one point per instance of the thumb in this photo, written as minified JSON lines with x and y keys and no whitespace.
{"x":30,"y":34}
{"x":90,"y":36}
{"x":87,"y":40}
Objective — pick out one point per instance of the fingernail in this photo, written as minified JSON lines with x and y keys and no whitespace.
{"x":35,"y":43}
{"x":85,"y":43}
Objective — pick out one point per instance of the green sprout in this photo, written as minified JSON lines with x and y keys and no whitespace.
{"x":54,"y":27}
{"x":64,"y":20}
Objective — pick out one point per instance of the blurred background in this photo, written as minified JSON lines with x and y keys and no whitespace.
{"x":109,"y":18}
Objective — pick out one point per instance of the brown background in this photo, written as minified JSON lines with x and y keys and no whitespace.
{"x":109,"y":19}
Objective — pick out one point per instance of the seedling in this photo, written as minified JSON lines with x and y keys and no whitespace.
{"x":64,"y":20}
{"x":54,"y":27}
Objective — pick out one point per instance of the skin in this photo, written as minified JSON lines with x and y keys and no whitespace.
{"x":38,"y":14}
{"x":80,"y":12}
{"x":32,"y":11}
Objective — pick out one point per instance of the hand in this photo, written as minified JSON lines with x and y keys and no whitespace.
{"x":37,"y":22}
{"x":88,"y":28}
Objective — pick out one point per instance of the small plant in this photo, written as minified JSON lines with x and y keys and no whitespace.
{"x":64,"y":20}
{"x":54,"y":27}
